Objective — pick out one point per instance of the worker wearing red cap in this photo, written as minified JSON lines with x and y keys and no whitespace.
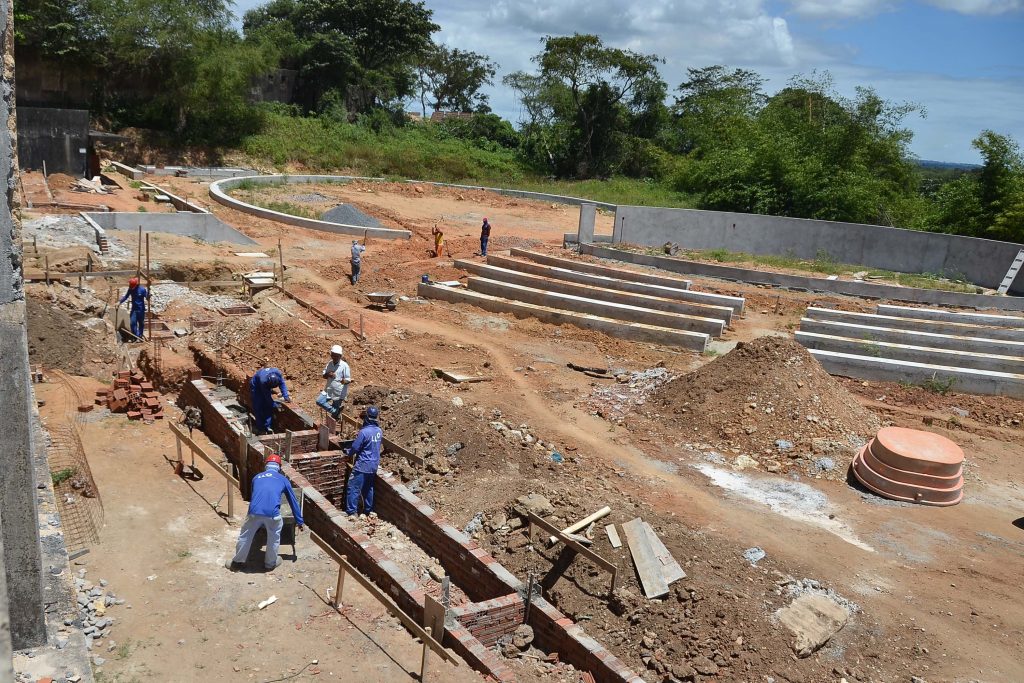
{"x":139,"y":296}
{"x":485,"y":236}
{"x":265,"y":511}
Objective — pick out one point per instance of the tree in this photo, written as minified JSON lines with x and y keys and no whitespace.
{"x":715,"y":103}
{"x":454,"y":78}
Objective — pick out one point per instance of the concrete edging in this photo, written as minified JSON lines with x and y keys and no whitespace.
{"x":813,"y":284}
{"x":917,"y":324}
{"x":951,"y":316}
{"x":998,"y":347}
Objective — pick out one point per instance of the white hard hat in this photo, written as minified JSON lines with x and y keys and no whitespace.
{"x":336,"y":349}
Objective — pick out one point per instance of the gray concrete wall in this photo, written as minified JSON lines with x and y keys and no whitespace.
{"x":983,"y":262}
{"x":20,"y":533}
{"x":203,"y":226}
{"x":864,"y":290}
{"x":588,"y":218}
{"x":58,"y":137}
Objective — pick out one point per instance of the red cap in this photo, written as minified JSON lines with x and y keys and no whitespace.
{"x":134,"y":282}
{"x":274,"y":457}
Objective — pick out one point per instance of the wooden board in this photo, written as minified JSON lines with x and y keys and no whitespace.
{"x":648,"y":566}
{"x":613,"y":536}
{"x":670,"y":569}
{"x":433,"y":617}
{"x":458,"y":376}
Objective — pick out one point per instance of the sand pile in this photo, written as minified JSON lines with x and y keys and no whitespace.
{"x":771,"y":401}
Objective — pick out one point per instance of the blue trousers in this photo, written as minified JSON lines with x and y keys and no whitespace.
{"x":360,"y":485}
{"x":355,"y":271}
{"x":483,"y":245}
{"x":330,"y":405}
{"x":263,"y":409}
{"x":138,"y":320}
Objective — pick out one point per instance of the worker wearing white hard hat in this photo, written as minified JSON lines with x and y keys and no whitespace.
{"x":338,"y":376}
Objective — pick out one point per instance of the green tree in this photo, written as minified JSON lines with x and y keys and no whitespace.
{"x":715,"y":105}
{"x":454,"y":78}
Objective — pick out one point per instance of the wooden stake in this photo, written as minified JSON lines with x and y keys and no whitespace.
{"x":231,"y":500}
{"x":423,"y":660}
{"x":340,"y":587}
{"x":47,"y":270}
{"x":280,"y":259}
{"x":138,"y":263}
{"x":149,"y":308}
{"x":243,"y":453}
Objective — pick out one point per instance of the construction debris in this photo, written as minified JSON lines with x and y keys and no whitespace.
{"x":131,"y":394}
{"x":813,"y":618}
{"x":654,"y":564}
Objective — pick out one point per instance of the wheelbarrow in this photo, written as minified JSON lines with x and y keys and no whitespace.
{"x":383,"y":300}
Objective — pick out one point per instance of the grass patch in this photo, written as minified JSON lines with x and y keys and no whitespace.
{"x":289,"y":208}
{"x":939,"y":385}
{"x":61,"y":476}
{"x":124,"y":650}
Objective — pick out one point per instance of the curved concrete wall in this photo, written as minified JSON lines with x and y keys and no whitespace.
{"x":983,"y":262}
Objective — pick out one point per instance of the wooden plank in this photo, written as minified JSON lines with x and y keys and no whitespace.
{"x":458,"y":376}
{"x":604,"y":564}
{"x":648,"y":567}
{"x":383,"y":598}
{"x":670,"y":569}
{"x":194,"y":447}
{"x":613,"y":536}
{"x":433,"y":614}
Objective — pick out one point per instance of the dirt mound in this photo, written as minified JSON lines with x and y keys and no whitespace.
{"x":768,"y":399}
{"x":54,"y":339}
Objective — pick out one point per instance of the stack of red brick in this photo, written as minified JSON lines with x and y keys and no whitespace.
{"x":132,"y":394}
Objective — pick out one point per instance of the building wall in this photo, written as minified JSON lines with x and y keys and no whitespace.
{"x":60,"y":137}
{"x":980,"y":261}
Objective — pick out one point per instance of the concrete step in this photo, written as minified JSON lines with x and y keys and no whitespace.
{"x":605,"y":309}
{"x":933,"y":326}
{"x":571,"y":272}
{"x":638,"y":332}
{"x":608,"y":271}
{"x":656,"y":303}
{"x":952,"y":316}
{"x":960,"y":380}
{"x":997,"y":347}
{"x":918,"y":354}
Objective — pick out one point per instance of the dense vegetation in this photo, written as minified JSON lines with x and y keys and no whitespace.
{"x":599,"y":121}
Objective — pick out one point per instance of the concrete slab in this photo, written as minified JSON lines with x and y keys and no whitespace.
{"x":600,"y":293}
{"x":952,"y":316}
{"x":918,"y":354}
{"x":933,"y":326}
{"x":997,"y":347}
{"x":569,"y":275}
{"x":639,"y":332}
{"x":629,"y":313}
{"x":618,"y":273}
{"x":964,"y":380}
{"x":201,"y":226}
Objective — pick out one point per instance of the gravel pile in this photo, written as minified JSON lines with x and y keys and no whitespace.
{"x":307,"y":198}
{"x":59,"y":232}
{"x":346,"y":214}
{"x":163,"y":293}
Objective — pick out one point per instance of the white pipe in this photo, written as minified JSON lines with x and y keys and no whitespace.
{"x":603,"y":512}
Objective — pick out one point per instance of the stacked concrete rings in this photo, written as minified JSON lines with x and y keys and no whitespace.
{"x":912,"y":466}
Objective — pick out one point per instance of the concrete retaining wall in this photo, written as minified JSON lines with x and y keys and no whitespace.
{"x":627,"y":312}
{"x":607,"y":271}
{"x":918,"y":338}
{"x":918,"y":325}
{"x":598,"y":293}
{"x":202,"y":226}
{"x":863,"y":290}
{"x":624,"y":330}
{"x":983,"y":262}
{"x":951,"y":316}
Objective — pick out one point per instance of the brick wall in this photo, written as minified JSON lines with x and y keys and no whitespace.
{"x":303,"y":441}
{"x":491,"y":619}
{"x":325,"y":471}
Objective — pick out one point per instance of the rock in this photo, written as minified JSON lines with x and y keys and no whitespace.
{"x":745,"y":462}
{"x":959,"y":412}
{"x":436,"y":572}
{"x":454,"y":448}
{"x":535,"y":503}
{"x":499,"y":426}
{"x":98,"y":661}
{"x":825,"y":464}
{"x":683,"y":672}
{"x":498,"y":520}
{"x":784,"y":445}
{"x":813,"y":619}
{"x":704,"y":666}
{"x":753,"y":555}
{"x":439,"y":465}
{"x":522,"y":636}
{"x":457,"y":402}
{"x":773,"y":467}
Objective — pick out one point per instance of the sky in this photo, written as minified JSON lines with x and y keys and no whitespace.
{"x":962,"y":60}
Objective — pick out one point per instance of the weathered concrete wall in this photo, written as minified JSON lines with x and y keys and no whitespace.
{"x":59,"y":137}
{"x":202,"y":226}
{"x":22,"y":563}
{"x":983,"y":262}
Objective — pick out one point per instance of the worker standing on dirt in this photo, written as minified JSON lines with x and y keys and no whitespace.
{"x":140,"y":297}
{"x":357,"y":258}
{"x":261,"y":391}
{"x":485,"y":236}
{"x":438,"y":241}
{"x":338,"y":376}
{"x":366,"y":452}
{"x":265,"y":511}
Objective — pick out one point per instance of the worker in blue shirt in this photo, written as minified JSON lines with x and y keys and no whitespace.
{"x":261,"y":391}
{"x":366,"y":452}
{"x":139,"y":296}
{"x":265,"y":511}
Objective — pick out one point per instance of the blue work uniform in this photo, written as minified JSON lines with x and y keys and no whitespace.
{"x":261,"y":388}
{"x":139,"y":295}
{"x":366,"y":449}
{"x":265,"y":511}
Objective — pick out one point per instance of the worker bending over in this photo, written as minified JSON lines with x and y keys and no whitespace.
{"x":139,"y":296}
{"x":438,"y":241}
{"x":265,"y":511}
{"x":366,"y":452}
{"x":261,"y":391}
{"x":338,"y":376}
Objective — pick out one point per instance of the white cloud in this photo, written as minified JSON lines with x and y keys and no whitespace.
{"x":840,"y":9}
{"x":980,"y":6}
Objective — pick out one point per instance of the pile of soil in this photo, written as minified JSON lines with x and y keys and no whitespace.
{"x":55,"y":341}
{"x":768,"y":399}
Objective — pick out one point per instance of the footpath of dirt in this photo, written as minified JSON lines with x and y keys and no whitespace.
{"x":769,"y":400}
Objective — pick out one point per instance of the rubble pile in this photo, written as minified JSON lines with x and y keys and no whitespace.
{"x":131,"y":394}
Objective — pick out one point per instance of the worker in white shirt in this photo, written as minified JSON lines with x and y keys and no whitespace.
{"x":338,"y":376}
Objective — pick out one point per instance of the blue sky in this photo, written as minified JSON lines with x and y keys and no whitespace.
{"x":963,"y":60}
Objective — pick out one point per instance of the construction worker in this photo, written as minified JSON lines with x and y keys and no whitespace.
{"x":139,"y":296}
{"x":357,"y":258}
{"x":366,"y":453}
{"x":338,"y":376}
{"x":438,"y":241}
{"x":265,"y":511}
{"x":485,"y":236}
{"x":261,"y":391}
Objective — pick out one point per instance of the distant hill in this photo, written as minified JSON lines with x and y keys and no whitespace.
{"x":928,"y":163}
